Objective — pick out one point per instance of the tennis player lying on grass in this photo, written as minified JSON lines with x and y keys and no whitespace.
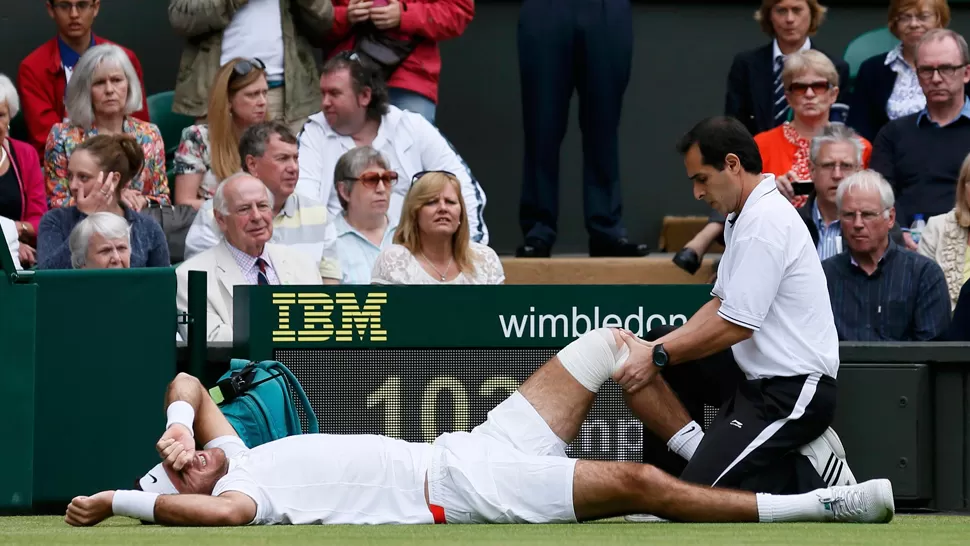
{"x":511,"y":469}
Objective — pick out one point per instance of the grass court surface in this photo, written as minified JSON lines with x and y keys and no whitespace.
{"x":923,"y":529}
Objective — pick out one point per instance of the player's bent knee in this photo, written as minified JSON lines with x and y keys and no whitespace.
{"x":594,"y":357}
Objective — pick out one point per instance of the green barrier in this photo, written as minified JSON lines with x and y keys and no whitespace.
{"x":280,"y":317}
{"x":105,"y":353}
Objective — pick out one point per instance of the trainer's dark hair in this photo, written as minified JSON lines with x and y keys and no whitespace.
{"x":363,"y":73}
{"x":719,"y":136}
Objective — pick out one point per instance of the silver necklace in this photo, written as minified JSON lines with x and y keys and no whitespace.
{"x":440,"y":274}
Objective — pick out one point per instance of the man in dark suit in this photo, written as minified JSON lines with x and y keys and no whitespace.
{"x":754,"y":89}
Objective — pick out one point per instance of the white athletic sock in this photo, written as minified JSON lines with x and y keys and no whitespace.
{"x":593,"y":358}
{"x":685,"y":442}
{"x":782,"y":508}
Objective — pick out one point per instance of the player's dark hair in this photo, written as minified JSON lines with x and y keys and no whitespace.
{"x":719,"y":136}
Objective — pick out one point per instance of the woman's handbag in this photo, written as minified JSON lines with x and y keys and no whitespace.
{"x":386,"y":52}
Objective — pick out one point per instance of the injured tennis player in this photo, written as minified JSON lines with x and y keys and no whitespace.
{"x":511,"y":469}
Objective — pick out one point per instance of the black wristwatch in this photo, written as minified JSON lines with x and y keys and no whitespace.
{"x":660,"y":356}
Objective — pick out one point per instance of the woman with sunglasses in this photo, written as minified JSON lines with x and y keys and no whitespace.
{"x":364,"y":181}
{"x":209,"y":151}
{"x":432,"y":245}
{"x":811,"y":87}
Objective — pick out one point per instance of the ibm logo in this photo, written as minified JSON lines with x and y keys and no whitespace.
{"x":325,"y":317}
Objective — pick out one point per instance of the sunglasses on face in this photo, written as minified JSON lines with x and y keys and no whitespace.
{"x":370,"y":180}
{"x":243,"y":68}
{"x":817,"y":87}
{"x":417,"y":176}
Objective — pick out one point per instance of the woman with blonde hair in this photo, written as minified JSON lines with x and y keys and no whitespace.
{"x":101,"y":97}
{"x":432,"y":244}
{"x":947,"y":235}
{"x":209,"y":152}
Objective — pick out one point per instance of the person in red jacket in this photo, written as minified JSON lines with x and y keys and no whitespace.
{"x":44,"y":74}
{"x":413,"y":24}
{"x":22,"y":197}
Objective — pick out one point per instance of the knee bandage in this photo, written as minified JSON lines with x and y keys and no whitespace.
{"x":594,"y":358}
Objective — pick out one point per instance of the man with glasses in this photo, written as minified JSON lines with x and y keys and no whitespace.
{"x":44,"y":74}
{"x":920,"y":154}
{"x":835,"y":154}
{"x":268,"y":151}
{"x":879,"y":290}
{"x":356,"y":111}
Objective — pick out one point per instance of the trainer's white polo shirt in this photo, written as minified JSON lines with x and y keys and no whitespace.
{"x":770,"y":280}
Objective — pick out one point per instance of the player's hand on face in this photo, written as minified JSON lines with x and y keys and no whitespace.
{"x":178,"y":432}
{"x":174,"y":453}
{"x":85,"y":511}
{"x":638,"y":370}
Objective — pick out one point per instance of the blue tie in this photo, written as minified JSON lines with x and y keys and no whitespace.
{"x":261,"y":276}
{"x":780,"y":107}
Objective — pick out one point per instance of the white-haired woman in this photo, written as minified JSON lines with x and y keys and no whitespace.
{"x":22,"y":197}
{"x":101,"y":241}
{"x":103,"y":93}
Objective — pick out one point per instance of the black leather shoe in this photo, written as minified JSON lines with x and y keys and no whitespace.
{"x":688,"y":260}
{"x":617,"y":248}
{"x":533,"y":248}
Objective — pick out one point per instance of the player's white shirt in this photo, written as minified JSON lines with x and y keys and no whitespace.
{"x":331,"y":479}
{"x":771,"y":281}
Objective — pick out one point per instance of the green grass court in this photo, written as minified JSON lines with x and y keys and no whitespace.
{"x":924,"y":529}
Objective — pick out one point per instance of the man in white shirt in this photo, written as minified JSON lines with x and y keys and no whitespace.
{"x":511,"y":469}
{"x":355,"y":112}
{"x":269,"y":152}
{"x":764,"y":350}
{"x":243,"y":209}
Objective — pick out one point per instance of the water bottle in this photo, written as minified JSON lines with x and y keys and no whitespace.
{"x":916,"y":229}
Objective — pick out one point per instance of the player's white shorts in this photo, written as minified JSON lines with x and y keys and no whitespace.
{"x":510,"y":469}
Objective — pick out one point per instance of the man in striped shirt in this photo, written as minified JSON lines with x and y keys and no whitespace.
{"x":269,"y":152}
{"x":879,"y":290}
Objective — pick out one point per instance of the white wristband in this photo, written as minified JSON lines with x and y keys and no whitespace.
{"x":180,"y":412}
{"x":134,"y":504}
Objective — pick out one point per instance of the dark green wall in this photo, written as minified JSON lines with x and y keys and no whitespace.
{"x":683,"y":51}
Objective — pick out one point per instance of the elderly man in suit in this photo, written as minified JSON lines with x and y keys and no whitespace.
{"x":244,"y":213}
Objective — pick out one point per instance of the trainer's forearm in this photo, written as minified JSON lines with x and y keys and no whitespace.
{"x":711,"y":336}
{"x":695,"y":322}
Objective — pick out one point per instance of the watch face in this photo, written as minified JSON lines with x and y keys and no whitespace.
{"x":659,"y":355}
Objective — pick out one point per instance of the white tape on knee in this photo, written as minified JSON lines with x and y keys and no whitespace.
{"x":593,"y":358}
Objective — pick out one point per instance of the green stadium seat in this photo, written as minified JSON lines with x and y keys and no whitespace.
{"x":866,"y":45}
{"x":169,"y":123}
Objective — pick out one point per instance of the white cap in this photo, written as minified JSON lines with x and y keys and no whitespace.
{"x":157,"y":481}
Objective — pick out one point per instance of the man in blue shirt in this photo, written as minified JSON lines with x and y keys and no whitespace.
{"x":879,"y":290}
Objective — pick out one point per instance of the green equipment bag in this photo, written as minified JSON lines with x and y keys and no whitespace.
{"x":256,"y":399}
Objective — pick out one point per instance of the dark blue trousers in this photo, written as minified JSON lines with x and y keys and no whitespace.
{"x":567,"y":45}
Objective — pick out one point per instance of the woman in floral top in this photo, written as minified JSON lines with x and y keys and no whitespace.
{"x":209,"y":152}
{"x":103,"y":91}
{"x":811,"y":87}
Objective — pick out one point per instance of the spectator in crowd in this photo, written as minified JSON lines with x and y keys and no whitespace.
{"x":410,"y":30}
{"x":101,"y":169}
{"x":209,"y":151}
{"x":947,"y":235}
{"x":431,"y":245}
{"x":886,"y":86}
{"x":586,"y":46}
{"x":364,"y":183}
{"x":811,"y":85}
{"x":22,"y":197}
{"x":355,"y":112}
{"x":755,"y":92}
{"x":244,"y":211}
{"x":879,"y":290}
{"x":960,"y":324}
{"x":835,"y":154}
{"x":282,"y":33}
{"x":103,"y":93}
{"x":269,"y":153}
{"x":101,"y":241}
{"x":45,"y":73}
{"x":920,"y":154}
